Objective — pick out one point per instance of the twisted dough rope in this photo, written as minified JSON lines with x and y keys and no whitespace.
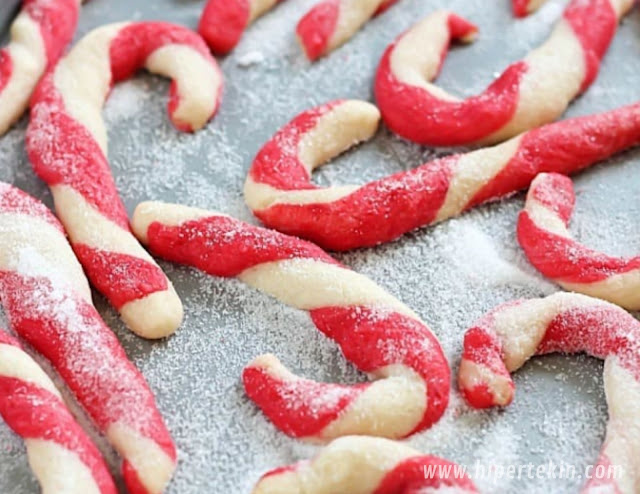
{"x":529,"y":93}
{"x":223,"y":21}
{"x":67,"y":145}
{"x":39,"y":35}
{"x":508,"y":336}
{"x":376,"y":332}
{"x":522,"y":8}
{"x":62,"y":457}
{"x":48,"y":302}
{"x":366,"y":465}
{"x":279,"y":191}
{"x":331,"y":23}
{"x":547,"y":243}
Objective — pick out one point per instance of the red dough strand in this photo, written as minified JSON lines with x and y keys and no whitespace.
{"x":529,"y":93}
{"x":377,"y":333}
{"x":543,"y":234}
{"x":522,"y":8}
{"x":31,"y":405}
{"x":367,"y":465}
{"x":330,"y":23}
{"x":502,"y":341}
{"x":66,"y":143}
{"x":48,"y":302}
{"x":280,"y":192}
{"x":223,"y":21}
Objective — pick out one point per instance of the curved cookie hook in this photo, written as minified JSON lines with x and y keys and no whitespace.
{"x":67,"y":146}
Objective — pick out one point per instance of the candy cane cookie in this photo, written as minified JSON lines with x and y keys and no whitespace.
{"x":547,"y":243}
{"x":62,"y":457}
{"x":39,"y":35}
{"x":279,"y":191}
{"x":67,"y":145}
{"x":376,"y":332}
{"x":331,"y":23}
{"x":367,"y":465}
{"x":522,"y":8}
{"x":48,"y":303}
{"x":529,"y":93}
{"x":502,"y":341}
{"x":224,"y":21}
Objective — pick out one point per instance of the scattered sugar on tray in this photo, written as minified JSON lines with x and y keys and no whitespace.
{"x":249,"y":58}
{"x":126,"y":100}
{"x":475,"y":254}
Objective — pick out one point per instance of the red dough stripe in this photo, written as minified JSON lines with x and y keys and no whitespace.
{"x":508,"y":336}
{"x":559,"y":257}
{"x":55,"y":22}
{"x":223,"y":22}
{"x":522,"y":8}
{"x":310,"y":413}
{"x":409,"y":476}
{"x":55,"y":316}
{"x":372,"y":342}
{"x":316,"y":27}
{"x":330,"y":23}
{"x":238,"y":246}
{"x":108,"y":268}
{"x":36,"y":413}
{"x":594,"y":23}
{"x":523,"y":97}
{"x":68,"y":151}
{"x":281,"y":195}
{"x":374,"y":331}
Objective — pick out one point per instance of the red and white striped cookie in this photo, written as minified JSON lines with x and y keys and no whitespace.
{"x":39,"y":36}
{"x":547,"y":243}
{"x":502,"y":341}
{"x":224,"y":21}
{"x":529,"y":93}
{"x":331,"y":23}
{"x":67,"y":145}
{"x":280,"y":193}
{"x":522,"y":8}
{"x":62,"y":457}
{"x":48,"y":303}
{"x":367,"y":465}
{"x":376,"y":332}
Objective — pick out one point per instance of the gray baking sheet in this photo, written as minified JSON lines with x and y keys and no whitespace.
{"x":450,"y":274}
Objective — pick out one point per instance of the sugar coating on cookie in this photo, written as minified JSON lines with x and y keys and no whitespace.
{"x":39,"y":35}
{"x":48,"y":302}
{"x":549,"y":246}
{"x":529,"y":93}
{"x":279,"y":191}
{"x":503,"y":340}
{"x":67,"y":146}
{"x":376,"y":332}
